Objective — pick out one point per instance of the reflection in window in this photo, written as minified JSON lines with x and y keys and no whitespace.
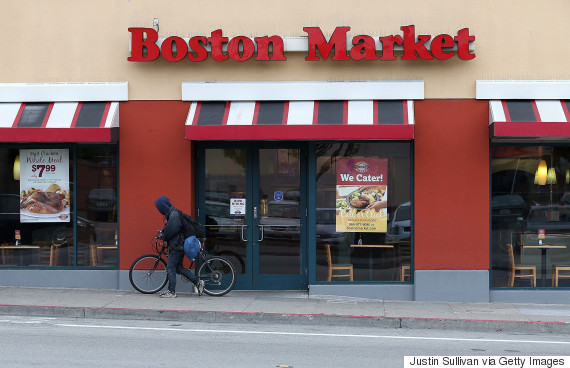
{"x":530,"y":214}
{"x":364,"y":256}
{"x":89,"y":238}
{"x":97,"y":202}
{"x":225,"y":170}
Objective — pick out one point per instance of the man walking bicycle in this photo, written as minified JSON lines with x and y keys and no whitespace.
{"x":173,"y":234}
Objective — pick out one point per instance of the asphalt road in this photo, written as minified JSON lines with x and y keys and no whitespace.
{"x":59,"y":342}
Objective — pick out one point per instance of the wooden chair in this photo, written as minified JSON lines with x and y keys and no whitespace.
{"x":404,"y":255}
{"x":519,"y":271}
{"x":334,"y":267}
{"x":404,"y":272}
{"x":45,"y":256}
{"x":96,"y":253}
{"x":556,"y":273}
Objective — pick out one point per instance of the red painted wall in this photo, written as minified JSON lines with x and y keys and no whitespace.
{"x":155,"y":159}
{"x":451,"y":181}
{"x":451,"y":178}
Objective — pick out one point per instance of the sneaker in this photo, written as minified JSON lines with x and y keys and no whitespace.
{"x":168,"y":294}
{"x":200,"y":287}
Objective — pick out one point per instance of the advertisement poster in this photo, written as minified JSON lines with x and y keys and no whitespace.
{"x":44,"y":185}
{"x":237,"y":206}
{"x":361,"y":195}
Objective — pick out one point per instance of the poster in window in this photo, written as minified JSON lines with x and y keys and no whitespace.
{"x":44,"y":185}
{"x":237,"y":206}
{"x":361,"y":194}
{"x":238,"y":203}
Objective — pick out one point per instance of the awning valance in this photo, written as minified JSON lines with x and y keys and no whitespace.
{"x":59,"y":122}
{"x":300,"y":120}
{"x":529,"y":118}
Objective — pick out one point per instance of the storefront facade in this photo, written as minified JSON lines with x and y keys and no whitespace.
{"x":393,"y":157}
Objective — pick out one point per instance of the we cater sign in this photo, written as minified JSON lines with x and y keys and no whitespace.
{"x":146,"y":46}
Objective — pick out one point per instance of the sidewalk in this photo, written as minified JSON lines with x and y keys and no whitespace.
{"x":285,"y":307}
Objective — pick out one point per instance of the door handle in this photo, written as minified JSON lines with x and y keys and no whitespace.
{"x":242,"y":236}
{"x":260,"y":232}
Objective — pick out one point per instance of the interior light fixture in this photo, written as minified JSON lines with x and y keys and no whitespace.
{"x":17,"y":168}
{"x":551,"y":176}
{"x":541,"y":173}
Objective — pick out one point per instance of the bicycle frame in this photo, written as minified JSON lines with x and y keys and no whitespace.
{"x":163,"y":251}
{"x":201,"y":256}
{"x":217,"y":273}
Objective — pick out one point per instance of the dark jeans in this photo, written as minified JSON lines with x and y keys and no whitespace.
{"x":174,"y":266}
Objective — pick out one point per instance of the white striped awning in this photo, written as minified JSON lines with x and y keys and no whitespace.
{"x":529,"y":118}
{"x":59,"y":122}
{"x":300,"y":120}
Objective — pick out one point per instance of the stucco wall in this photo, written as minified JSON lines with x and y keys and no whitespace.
{"x":451,"y":185}
{"x":155,"y":160}
{"x":88,"y":41}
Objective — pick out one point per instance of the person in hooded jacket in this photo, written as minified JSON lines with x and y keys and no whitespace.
{"x":174,"y":237}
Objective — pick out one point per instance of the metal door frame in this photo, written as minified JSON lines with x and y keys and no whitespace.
{"x":252,"y":279}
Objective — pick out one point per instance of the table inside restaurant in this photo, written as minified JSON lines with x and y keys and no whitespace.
{"x":543,"y":248}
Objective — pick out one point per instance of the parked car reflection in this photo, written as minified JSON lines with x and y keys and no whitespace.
{"x":223,"y":233}
{"x":551,"y":218}
{"x":56,"y":233}
{"x":282,"y":220}
{"x":506,"y":209}
{"x":102,"y":203}
{"x":326,"y":228}
{"x":400,"y":228}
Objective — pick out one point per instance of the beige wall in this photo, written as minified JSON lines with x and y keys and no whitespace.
{"x":87,"y":41}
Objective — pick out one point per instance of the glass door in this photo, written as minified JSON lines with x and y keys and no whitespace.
{"x":254,"y":209}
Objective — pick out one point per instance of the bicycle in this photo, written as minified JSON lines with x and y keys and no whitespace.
{"x":148,"y":272}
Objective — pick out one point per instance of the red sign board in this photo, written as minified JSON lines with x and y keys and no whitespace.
{"x":145,"y":46}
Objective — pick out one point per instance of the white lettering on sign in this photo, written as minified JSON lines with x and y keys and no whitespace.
{"x":360,"y":177}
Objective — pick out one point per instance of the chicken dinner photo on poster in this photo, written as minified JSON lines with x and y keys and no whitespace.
{"x":44,"y":185}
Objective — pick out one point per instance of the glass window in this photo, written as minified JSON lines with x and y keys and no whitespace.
{"x":58,"y":206}
{"x":363,"y":214}
{"x":97,"y":205}
{"x":224,"y":182}
{"x":530,"y":212}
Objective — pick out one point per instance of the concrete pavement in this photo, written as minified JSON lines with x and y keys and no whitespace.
{"x":285,"y":307}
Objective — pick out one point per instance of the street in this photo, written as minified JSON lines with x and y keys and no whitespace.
{"x":65,"y":342}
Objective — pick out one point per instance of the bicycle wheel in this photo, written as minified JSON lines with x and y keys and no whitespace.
{"x":148,"y":274}
{"x":218,"y":275}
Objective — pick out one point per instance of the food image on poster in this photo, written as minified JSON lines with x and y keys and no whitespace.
{"x":361,"y":195}
{"x":44,"y":185}
{"x":52,"y":200}
{"x":362,"y":198}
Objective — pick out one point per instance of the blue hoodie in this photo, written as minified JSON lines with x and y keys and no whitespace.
{"x":163,"y":205}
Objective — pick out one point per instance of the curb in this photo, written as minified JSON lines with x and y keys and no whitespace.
{"x":287,"y":318}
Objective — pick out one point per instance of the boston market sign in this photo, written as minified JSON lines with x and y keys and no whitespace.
{"x":146,"y":46}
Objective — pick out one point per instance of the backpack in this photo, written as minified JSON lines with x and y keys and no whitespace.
{"x":190,"y":227}
{"x":191,"y":247}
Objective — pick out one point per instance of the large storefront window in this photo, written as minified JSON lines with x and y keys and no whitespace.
{"x":58,"y":206}
{"x":364,"y":215}
{"x":530,"y":207}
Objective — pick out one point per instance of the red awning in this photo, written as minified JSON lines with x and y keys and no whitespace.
{"x":300,"y":120}
{"x":59,"y":122}
{"x":529,"y":118}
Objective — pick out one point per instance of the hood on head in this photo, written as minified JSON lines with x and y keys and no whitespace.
{"x":163,"y":205}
